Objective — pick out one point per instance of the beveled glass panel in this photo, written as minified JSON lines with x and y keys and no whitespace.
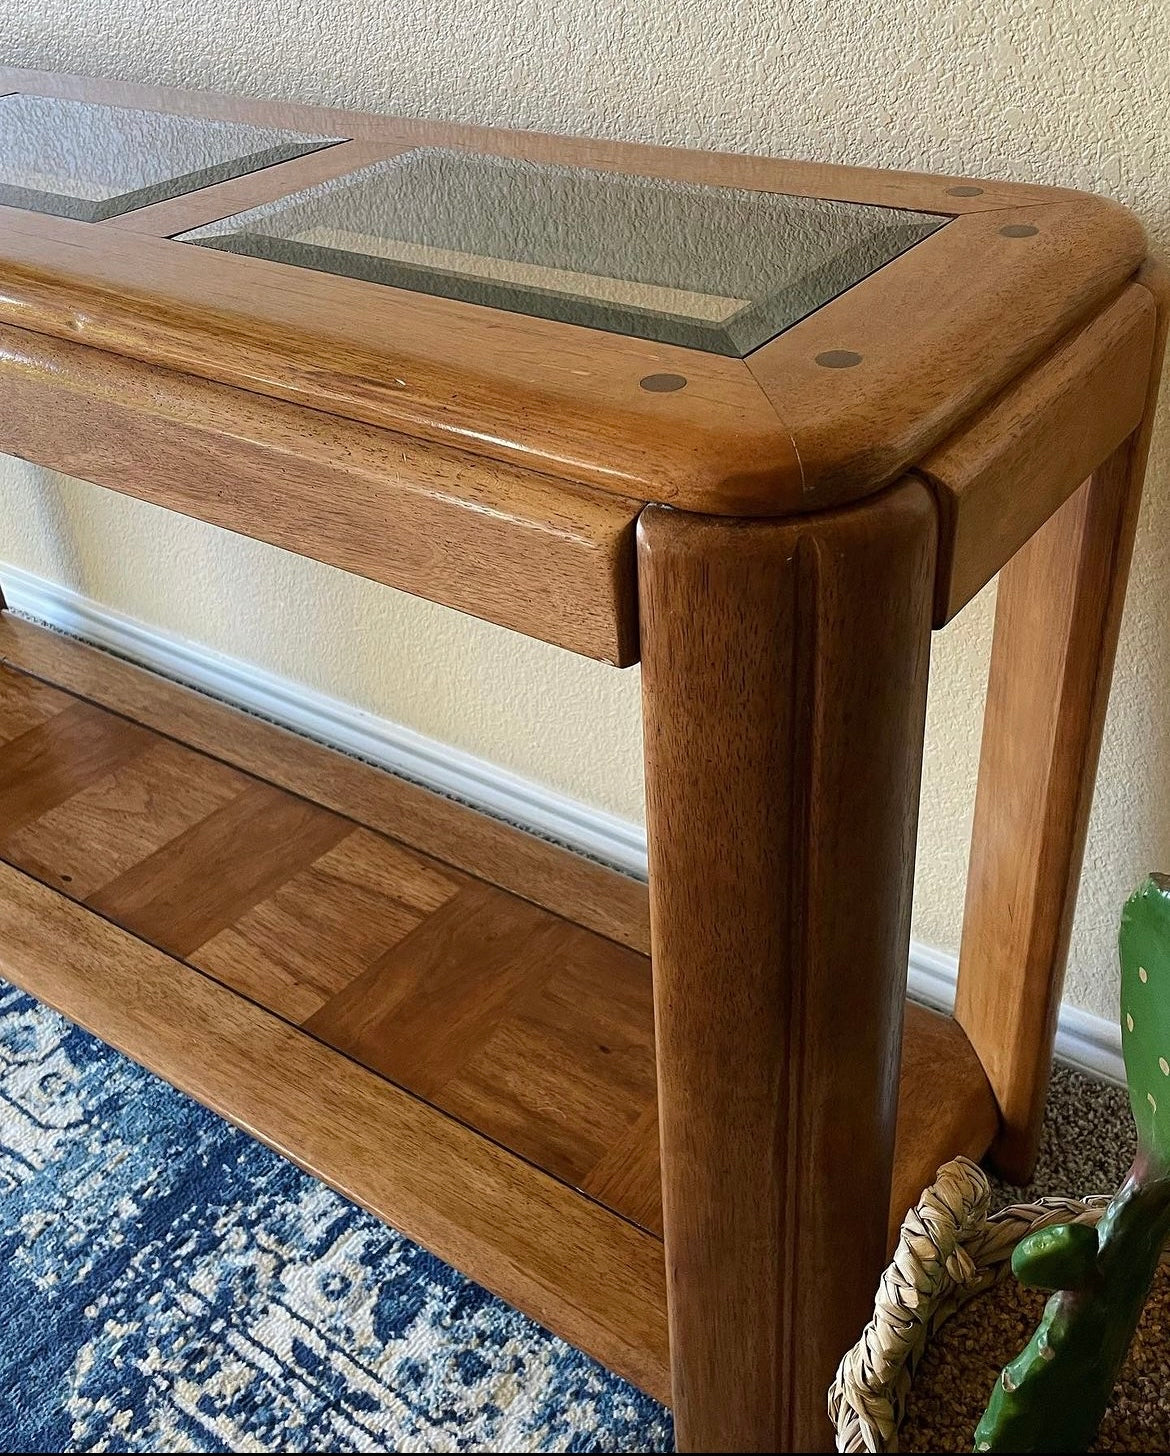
{"x":88,"y":161}
{"x":713,"y":268}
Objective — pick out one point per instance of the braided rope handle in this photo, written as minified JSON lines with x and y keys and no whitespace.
{"x":949,"y":1250}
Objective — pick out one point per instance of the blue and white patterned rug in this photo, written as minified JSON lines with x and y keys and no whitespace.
{"x":167,"y":1284}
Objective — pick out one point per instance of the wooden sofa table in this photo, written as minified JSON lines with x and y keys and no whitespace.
{"x":758,"y":424}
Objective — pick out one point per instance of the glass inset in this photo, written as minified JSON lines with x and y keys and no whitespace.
{"x":88,"y":161}
{"x":712,"y":268}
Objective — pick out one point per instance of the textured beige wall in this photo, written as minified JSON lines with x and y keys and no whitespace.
{"x":1067,"y":91}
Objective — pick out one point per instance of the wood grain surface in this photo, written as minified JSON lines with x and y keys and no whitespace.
{"x":558,"y":398}
{"x":784,"y":682}
{"x":535,"y":1030}
{"x":939,"y":331}
{"x":999,"y":479}
{"x":564,"y":883}
{"x":590,"y":1277}
{"x":426,"y":972}
{"x":543,"y":557}
{"x":1058,"y":614}
{"x":1056,"y":620}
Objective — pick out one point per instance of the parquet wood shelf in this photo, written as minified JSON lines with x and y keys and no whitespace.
{"x":463,"y":998}
{"x":673,"y":1123}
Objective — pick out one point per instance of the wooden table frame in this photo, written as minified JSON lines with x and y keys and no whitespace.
{"x":775,"y":542}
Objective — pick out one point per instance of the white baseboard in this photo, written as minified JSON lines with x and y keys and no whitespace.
{"x":1088,"y":1042}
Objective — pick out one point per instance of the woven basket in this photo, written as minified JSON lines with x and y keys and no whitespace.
{"x":950,"y":1249}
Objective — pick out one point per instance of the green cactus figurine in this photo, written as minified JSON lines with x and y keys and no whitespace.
{"x":1053,"y":1395}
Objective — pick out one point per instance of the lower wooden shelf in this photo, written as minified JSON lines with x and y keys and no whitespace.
{"x":446,"y":1019}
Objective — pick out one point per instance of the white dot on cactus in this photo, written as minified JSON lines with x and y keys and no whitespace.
{"x":1143,"y":975}
{"x":1165,"y":1065}
{"x":1128,"y":1021}
{"x":1150,"y":1100}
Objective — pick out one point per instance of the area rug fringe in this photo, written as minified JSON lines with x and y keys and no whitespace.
{"x":950,"y":1249}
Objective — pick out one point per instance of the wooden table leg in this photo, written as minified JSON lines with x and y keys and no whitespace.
{"x":784,"y":682}
{"x":1057,"y":616}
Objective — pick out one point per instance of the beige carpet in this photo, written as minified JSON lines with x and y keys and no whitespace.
{"x":1087,"y":1148}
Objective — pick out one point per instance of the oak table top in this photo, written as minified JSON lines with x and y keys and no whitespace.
{"x":724,"y":333}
